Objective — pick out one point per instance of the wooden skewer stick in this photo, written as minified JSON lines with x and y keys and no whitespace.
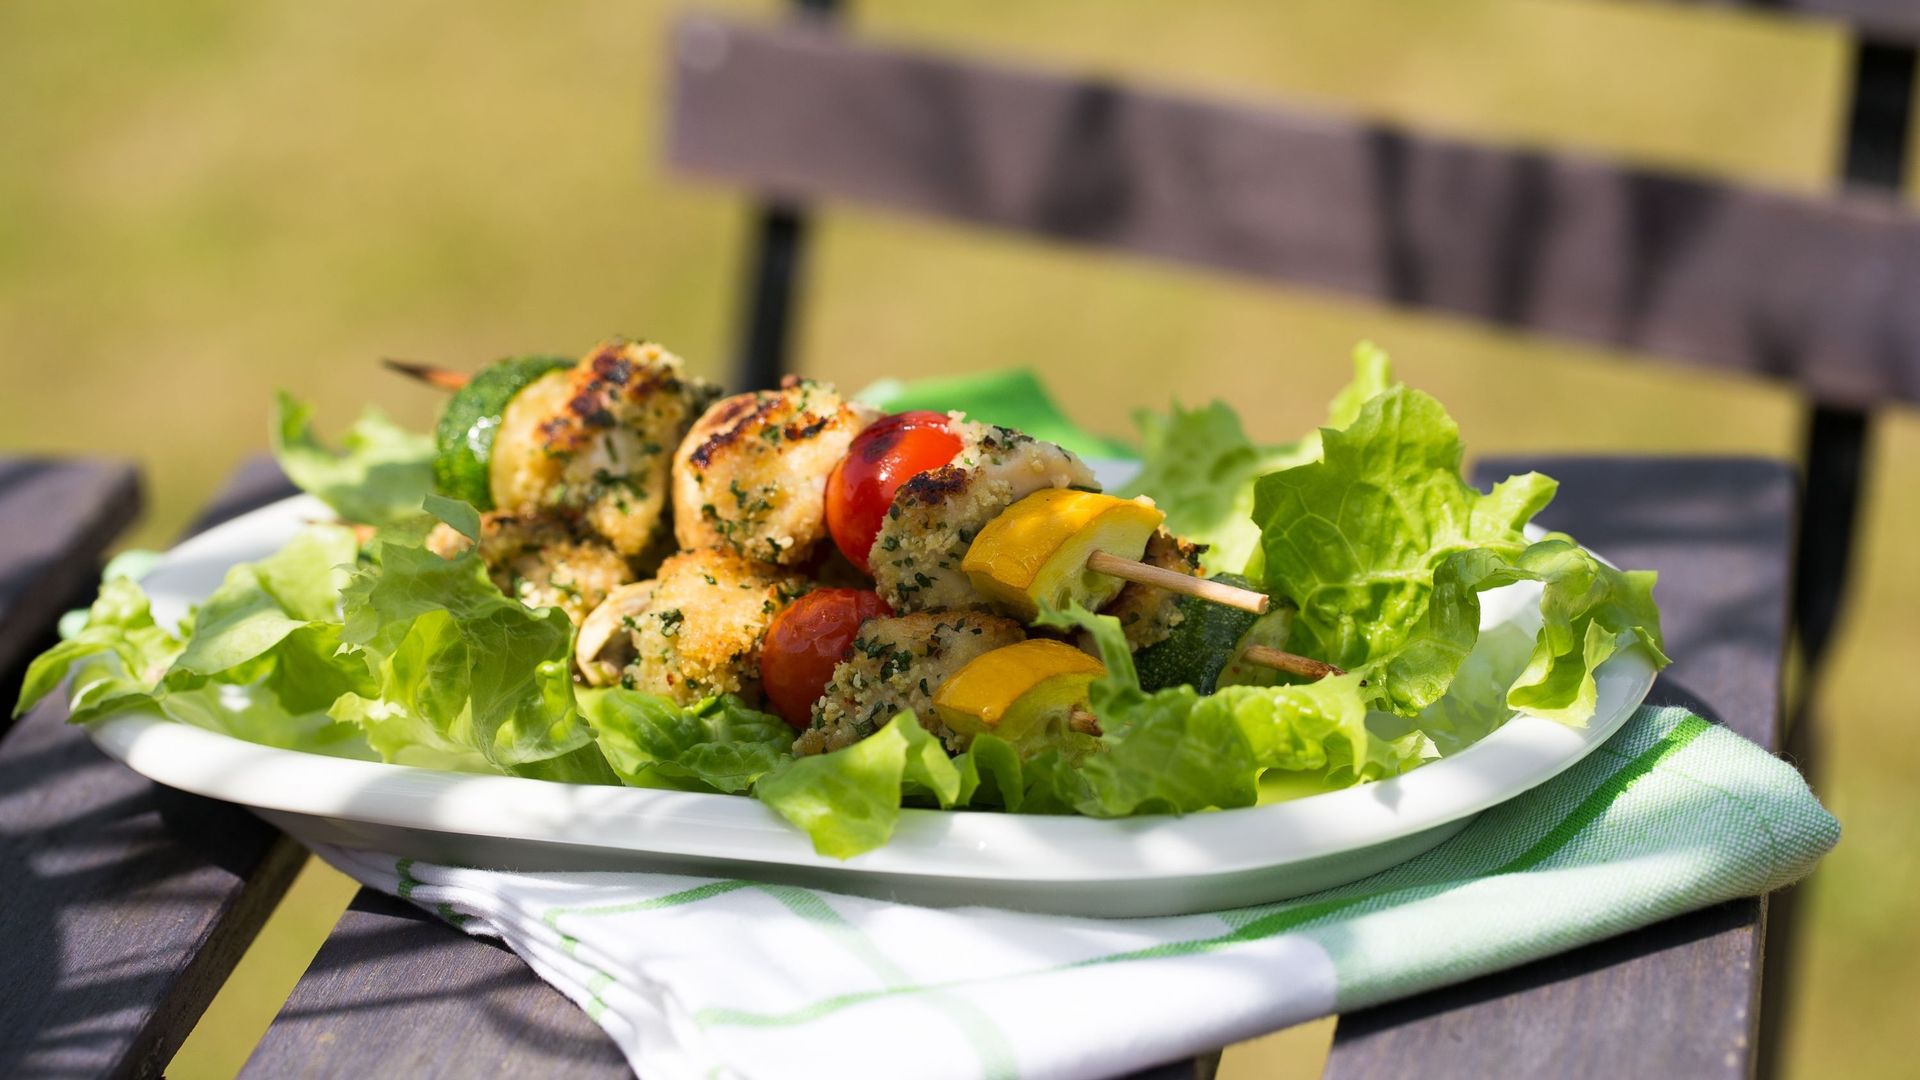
{"x":1304,"y":666}
{"x":1173,"y":581}
{"x":1220,"y":593}
{"x":443,"y":378}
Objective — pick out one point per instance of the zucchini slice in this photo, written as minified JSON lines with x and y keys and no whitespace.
{"x":463,"y":440}
{"x":1202,"y":644}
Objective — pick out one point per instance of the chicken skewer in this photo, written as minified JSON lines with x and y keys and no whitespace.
{"x":1011,"y":520}
{"x":1105,"y":562}
{"x":741,"y":436}
{"x":749,"y":475}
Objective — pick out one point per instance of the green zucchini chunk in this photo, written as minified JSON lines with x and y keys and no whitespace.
{"x":463,"y":440}
{"x":1202,"y":644}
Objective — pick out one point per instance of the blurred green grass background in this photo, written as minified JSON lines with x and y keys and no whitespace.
{"x":203,"y":200}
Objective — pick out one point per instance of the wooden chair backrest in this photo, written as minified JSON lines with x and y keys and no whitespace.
{"x":1817,"y":291}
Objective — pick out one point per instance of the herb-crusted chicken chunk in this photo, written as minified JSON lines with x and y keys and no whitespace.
{"x":751,"y":476}
{"x":542,"y":560}
{"x":598,"y":439}
{"x":701,"y":630}
{"x":935,"y":516}
{"x":897,"y":665}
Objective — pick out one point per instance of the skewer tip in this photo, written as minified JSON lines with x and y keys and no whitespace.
{"x":443,"y":378}
{"x":1304,"y":666}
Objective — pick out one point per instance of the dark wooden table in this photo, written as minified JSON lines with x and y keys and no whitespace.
{"x":126,"y":905}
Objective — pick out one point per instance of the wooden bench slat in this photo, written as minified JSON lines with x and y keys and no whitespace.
{"x":57,"y":517}
{"x":126,"y":904}
{"x":1717,"y":528}
{"x":1809,"y":290}
{"x":396,"y":992}
{"x":1681,"y":998}
{"x":1896,"y":19}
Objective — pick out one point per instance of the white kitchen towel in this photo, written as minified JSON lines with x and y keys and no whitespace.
{"x":700,"y":978}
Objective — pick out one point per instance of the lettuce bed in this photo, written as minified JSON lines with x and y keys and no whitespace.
{"x":384,"y":651}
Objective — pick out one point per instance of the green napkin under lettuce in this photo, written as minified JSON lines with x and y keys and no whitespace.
{"x":1012,"y":398}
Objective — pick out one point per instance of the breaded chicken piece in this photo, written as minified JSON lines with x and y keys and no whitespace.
{"x":751,"y":476}
{"x":935,"y":516}
{"x":542,"y":560}
{"x":1148,"y":613}
{"x":598,"y":439}
{"x":701,"y":631}
{"x":897,"y":666}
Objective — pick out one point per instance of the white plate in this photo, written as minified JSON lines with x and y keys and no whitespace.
{"x":1138,"y":866}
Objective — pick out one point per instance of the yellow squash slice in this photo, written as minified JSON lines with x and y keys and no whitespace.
{"x":1021,"y":692}
{"x":1036,"y":551}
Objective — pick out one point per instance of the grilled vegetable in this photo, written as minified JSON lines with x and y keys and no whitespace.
{"x":806,"y":642}
{"x":1035,"y":552}
{"x":883,"y":457}
{"x":1206,"y":639}
{"x":463,"y":440}
{"x":1029,"y":694}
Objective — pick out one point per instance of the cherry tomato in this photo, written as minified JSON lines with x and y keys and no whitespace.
{"x":805,"y":641}
{"x":881,"y":458}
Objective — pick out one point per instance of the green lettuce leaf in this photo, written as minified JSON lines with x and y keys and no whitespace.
{"x":718,"y":744}
{"x":1590,"y":611}
{"x":1372,"y":376}
{"x":281,"y":698}
{"x":260,"y":662}
{"x":1162,"y":753}
{"x":1199,"y":466}
{"x":260,"y":603}
{"x":1174,"y":751}
{"x":464,"y":678}
{"x":1384,"y":548}
{"x":1476,"y":703}
{"x":460,"y":515}
{"x":115,"y":658}
{"x":265,"y":661}
{"x":379,"y":476}
{"x":848,"y":801}
{"x":1048,"y":783}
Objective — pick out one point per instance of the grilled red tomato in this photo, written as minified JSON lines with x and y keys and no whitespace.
{"x":804,"y":643}
{"x":881,"y":458}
